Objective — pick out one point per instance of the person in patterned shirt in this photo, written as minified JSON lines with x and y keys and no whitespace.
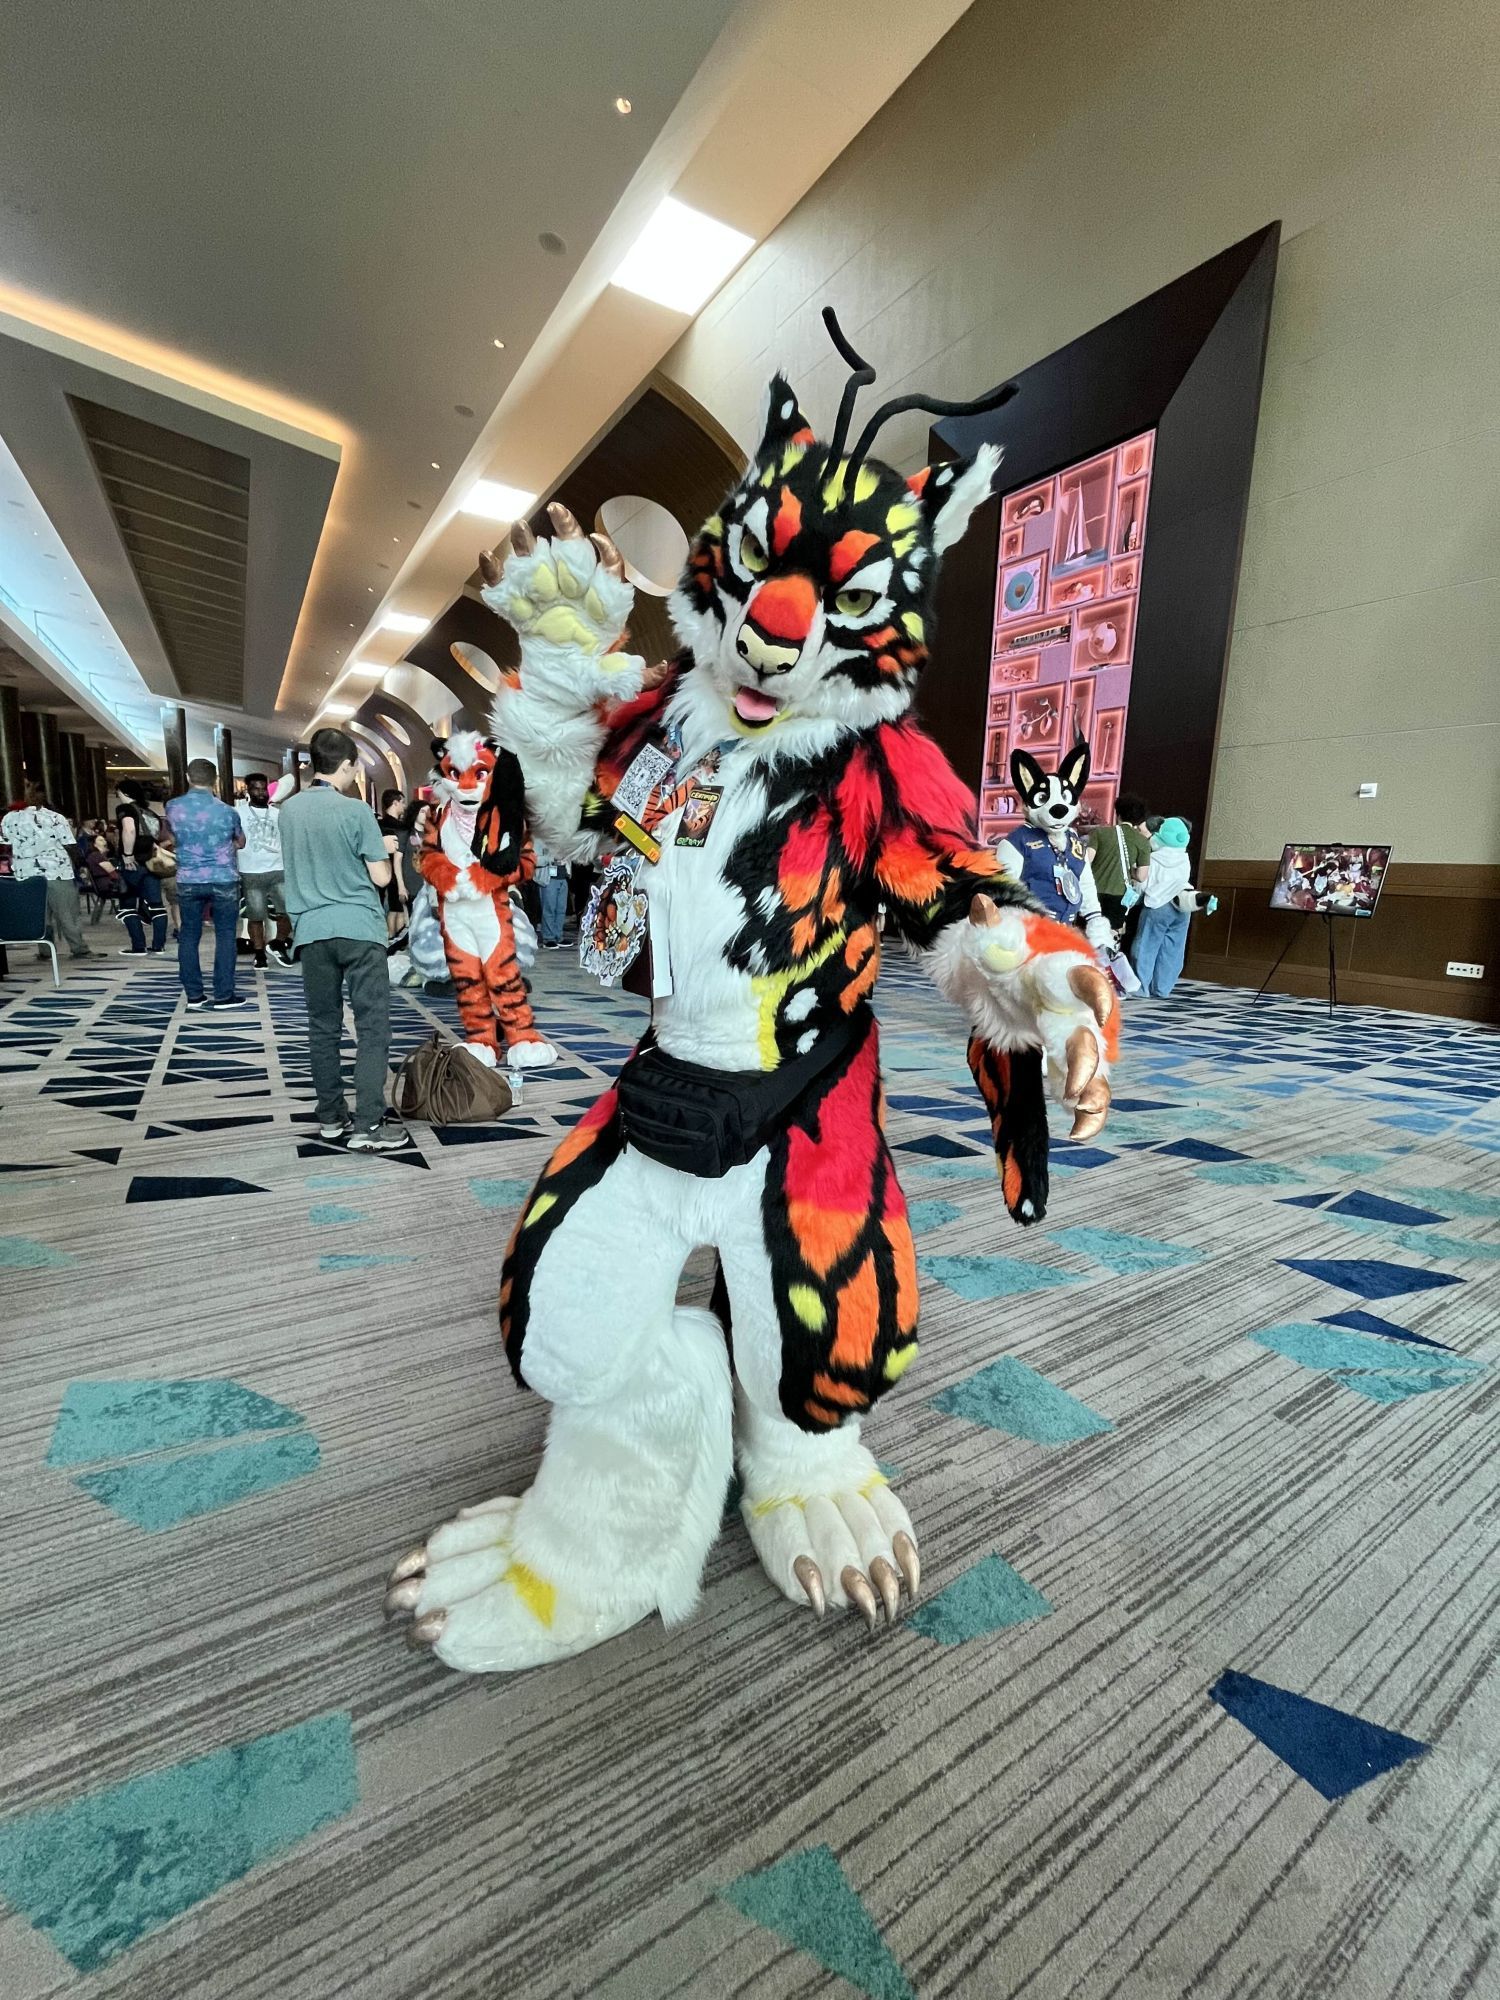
{"x":43,"y":843}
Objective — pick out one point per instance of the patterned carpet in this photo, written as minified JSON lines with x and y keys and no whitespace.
{"x":1201,"y":1697}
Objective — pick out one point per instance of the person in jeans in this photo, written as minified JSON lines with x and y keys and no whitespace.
{"x":552,"y":891}
{"x":207,"y":835}
{"x":260,"y":870}
{"x":42,"y":843}
{"x":1167,"y":907}
{"x":140,"y":890}
{"x":335,"y":865}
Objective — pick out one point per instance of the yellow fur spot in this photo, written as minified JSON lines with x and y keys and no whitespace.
{"x":901,"y":517}
{"x":808,"y":1307}
{"x":544,"y":582}
{"x":520,"y":610}
{"x":791,"y":455}
{"x":866,"y":483}
{"x":772,"y":989}
{"x":898,"y":1361}
{"x":999,"y":959}
{"x":593,"y":606}
{"x":539,"y":1208}
{"x":833,"y":489}
{"x":567,"y":582}
{"x":714,"y":525}
{"x":764,"y":1507}
{"x":911,"y":622}
{"x":768,"y":477}
{"x":876,"y":1479}
{"x":904,"y":546}
{"x":562,"y":626}
{"x":539,"y":1596}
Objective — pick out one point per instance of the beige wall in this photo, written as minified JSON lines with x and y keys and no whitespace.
{"x":1048,"y":166}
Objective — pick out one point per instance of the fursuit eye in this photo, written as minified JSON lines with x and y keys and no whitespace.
{"x":753,"y":553}
{"x":853,"y":603}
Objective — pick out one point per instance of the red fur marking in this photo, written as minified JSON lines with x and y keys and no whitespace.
{"x":881,"y":638}
{"x":918,"y":481}
{"x":829,"y":1179}
{"x":784,"y":607}
{"x":805,"y":436}
{"x":583,"y":1134}
{"x":788,"y":522}
{"x":860,"y":805}
{"x":849,"y":551}
{"x":926,"y":783}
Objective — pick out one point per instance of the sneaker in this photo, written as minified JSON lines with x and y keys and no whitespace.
{"x":283,"y":954}
{"x":339,"y":1131}
{"x":387,"y":1138}
{"x":129,"y":951}
{"x":156,"y":951}
{"x":552,"y":944}
{"x":260,"y":960}
{"x":196,"y":1006}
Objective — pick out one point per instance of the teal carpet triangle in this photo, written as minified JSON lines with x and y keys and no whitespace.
{"x":976,"y":1278}
{"x":158,"y":1493}
{"x":1009,"y":1396}
{"x":117,"y":1419}
{"x":986,"y":1598}
{"x":107,"y":1869}
{"x":808,"y":1899}
{"x":1124,"y":1254}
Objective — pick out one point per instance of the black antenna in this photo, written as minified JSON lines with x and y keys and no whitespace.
{"x":861,"y":378}
{"x":934,"y":406}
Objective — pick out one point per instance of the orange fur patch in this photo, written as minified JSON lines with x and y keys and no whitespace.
{"x":848,"y":552}
{"x":859,"y":1319}
{"x":823,"y":1234}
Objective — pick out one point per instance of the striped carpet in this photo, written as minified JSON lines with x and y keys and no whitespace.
{"x":1202,"y":1695}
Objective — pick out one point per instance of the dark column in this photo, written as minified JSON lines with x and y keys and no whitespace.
{"x":75,"y":776}
{"x":98,"y":783}
{"x":174,"y":735}
{"x":12,"y":763}
{"x":51,"y":756}
{"x":224,"y":758}
{"x":31,"y":744}
{"x":291,"y":760}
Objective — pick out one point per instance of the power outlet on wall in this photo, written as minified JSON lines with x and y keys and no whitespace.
{"x":1459,"y":968}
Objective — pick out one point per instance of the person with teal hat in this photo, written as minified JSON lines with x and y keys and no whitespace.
{"x":1168,"y":901}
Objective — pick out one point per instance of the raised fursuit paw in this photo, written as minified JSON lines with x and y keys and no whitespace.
{"x":1028,"y":976}
{"x":852,"y":1546}
{"x":481,"y":1610}
{"x":568,"y":601}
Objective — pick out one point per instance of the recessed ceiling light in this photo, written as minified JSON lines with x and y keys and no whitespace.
{"x":370,"y":589}
{"x":552,"y":243}
{"x":493,"y":500}
{"x":404,"y":621}
{"x":681,"y":257}
{"x":624,"y":106}
{"x":500,"y":343}
{"x":435,"y":466}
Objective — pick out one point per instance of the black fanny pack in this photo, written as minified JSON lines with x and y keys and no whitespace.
{"x":705,"y":1121}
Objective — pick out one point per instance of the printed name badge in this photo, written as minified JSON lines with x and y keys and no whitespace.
{"x":697,"y":816}
{"x":614,"y":923}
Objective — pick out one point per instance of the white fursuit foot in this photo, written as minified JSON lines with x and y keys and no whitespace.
{"x":481,"y":1052}
{"x":530,"y":1055}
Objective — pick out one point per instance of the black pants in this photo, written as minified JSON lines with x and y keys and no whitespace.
{"x":331,"y":968}
{"x":1114,"y":908}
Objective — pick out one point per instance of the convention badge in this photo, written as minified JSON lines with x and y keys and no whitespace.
{"x":614,"y":922}
{"x":697,"y":816}
{"x":645,"y":772}
{"x":1069,"y":885}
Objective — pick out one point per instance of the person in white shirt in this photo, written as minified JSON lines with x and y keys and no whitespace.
{"x":43,"y":843}
{"x":1168,"y":901}
{"x":261,"y":871}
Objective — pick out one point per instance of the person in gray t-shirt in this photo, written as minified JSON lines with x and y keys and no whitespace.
{"x":335,"y":864}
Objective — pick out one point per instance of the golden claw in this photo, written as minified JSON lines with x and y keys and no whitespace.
{"x":1083,"y":1063}
{"x":1091,"y":985}
{"x":609,"y":555}
{"x":564,"y":522}
{"x":810,"y":1577}
{"x":905,"y":1550}
{"x":413,"y":1563}
{"x":522,"y":541}
{"x":888,"y":1584}
{"x":404,"y":1596}
{"x":857,"y":1590}
{"x":427,"y":1631}
{"x":654,"y":676}
{"x":1093,"y":1109}
{"x":489,"y":569}
{"x":984,"y":911}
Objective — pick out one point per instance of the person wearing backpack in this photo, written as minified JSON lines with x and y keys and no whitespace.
{"x":1121,"y":854}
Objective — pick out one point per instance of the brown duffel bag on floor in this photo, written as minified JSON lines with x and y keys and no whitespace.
{"x":442,"y":1084}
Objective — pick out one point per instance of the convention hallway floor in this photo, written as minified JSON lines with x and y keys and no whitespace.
{"x":1200,"y":1699}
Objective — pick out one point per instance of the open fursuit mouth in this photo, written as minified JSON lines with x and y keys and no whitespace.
{"x":755,"y":708}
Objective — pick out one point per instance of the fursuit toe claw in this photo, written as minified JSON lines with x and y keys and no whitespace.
{"x":857,"y":1590}
{"x":564,"y":522}
{"x":810,"y":1577}
{"x":489,"y":569}
{"x":427,"y":1631}
{"x":403,"y":1596}
{"x":1093,"y":1109}
{"x":609,"y":555}
{"x":905,"y":1550}
{"x":522,"y":540}
{"x":984,"y":911}
{"x":1092,"y":987}
{"x":413,"y":1563}
{"x":1083,"y":1064}
{"x":888,"y":1584}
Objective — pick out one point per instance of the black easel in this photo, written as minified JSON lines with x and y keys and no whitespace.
{"x":1333,"y":974}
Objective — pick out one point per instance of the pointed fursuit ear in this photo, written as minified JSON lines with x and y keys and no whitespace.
{"x":1026,"y":774}
{"x":950,"y":493}
{"x":782,"y":421}
{"x":438,"y":745}
{"x":1073,"y":771}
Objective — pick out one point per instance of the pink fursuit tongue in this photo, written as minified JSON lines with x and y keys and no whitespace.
{"x":750,"y":705}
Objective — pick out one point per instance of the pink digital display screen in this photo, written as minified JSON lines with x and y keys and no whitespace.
{"x":1066,"y":595}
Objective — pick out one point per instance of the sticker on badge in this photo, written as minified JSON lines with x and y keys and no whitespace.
{"x":697,"y":816}
{"x":614,"y":924}
{"x":647,"y":769}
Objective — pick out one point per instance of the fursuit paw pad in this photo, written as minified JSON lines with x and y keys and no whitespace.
{"x":568,"y":602}
{"x":854,"y":1546}
{"x":483,"y":1611}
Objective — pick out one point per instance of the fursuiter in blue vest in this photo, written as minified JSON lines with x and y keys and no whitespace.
{"x":1048,"y":856}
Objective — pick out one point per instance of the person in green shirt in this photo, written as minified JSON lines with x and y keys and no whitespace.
{"x":335,"y":866}
{"x":1121,"y":856}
